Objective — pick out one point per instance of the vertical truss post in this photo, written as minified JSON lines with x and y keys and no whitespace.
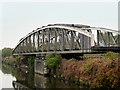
{"x":49,"y":30}
{"x":72,"y":40}
{"x":98,"y":36}
{"x":38,"y":38}
{"x":118,"y":40}
{"x":55,"y":32}
{"x":30,"y":45}
{"x":43,"y":36}
{"x":89,"y":43}
{"x":33,"y":42}
{"x":79,"y":36}
{"x":16,"y":50}
{"x":23,"y":46}
{"x":63,"y":43}
{"x":85,"y":42}
{"x":20,"y":47}
{"x":59,"y":40}
{"x":82,"y":41}
{"x":67,"y":39}
{"x":109,"y":38}
{"x":27,"y":44}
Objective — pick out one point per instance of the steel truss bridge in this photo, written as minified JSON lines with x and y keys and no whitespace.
{"x":68,"y":38}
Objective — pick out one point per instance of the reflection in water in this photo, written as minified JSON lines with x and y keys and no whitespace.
{"x":29,"y":80}
{"x":6,"y":78}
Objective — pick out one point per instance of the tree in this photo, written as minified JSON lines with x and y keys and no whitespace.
{"x":6,"y":52}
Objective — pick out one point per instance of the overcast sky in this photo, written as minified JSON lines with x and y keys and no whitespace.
{"x":20,"y":18}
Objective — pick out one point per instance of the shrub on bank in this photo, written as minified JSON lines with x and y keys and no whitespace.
{"x":95,"y":72}
{"x":51,"y":61}
{"x":9,"y":61}
{"x":18,"y":60}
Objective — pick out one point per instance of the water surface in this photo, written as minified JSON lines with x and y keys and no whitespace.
{"x":21,"y":78}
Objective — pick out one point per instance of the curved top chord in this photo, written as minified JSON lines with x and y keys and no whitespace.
{"x":64,"y":38}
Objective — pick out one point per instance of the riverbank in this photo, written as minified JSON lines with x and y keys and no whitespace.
{"x":18,"y":61}
{"x":100,"y":72}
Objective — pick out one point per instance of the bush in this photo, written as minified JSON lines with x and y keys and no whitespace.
{"x":95,"y":72}
{"x":52,"y":60}
{"x":111,"y":55}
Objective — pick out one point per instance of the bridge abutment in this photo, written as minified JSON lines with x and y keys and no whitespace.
{"x":40,"y":64}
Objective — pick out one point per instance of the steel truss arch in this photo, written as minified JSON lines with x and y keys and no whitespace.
{"x":64,"y":38}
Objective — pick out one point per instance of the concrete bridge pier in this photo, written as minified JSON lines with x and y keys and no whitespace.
{"x":40,"y":64}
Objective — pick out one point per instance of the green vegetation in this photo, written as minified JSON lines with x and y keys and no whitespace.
{"x":31,"y":64}
{"x":7,"y":58}
{"x":6,"y":52}
{"x":93,"y":72}
{"x":18,"y":60}
{"x":52,"y":60}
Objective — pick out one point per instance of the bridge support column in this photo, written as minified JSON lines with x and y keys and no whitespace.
{"x":40,"y":65}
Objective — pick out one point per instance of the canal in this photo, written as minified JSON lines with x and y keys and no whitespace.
{"x":20,"y":78}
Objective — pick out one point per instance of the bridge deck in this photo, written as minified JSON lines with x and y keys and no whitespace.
{"x":115,"y":49}
{"x":92,"y":50}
